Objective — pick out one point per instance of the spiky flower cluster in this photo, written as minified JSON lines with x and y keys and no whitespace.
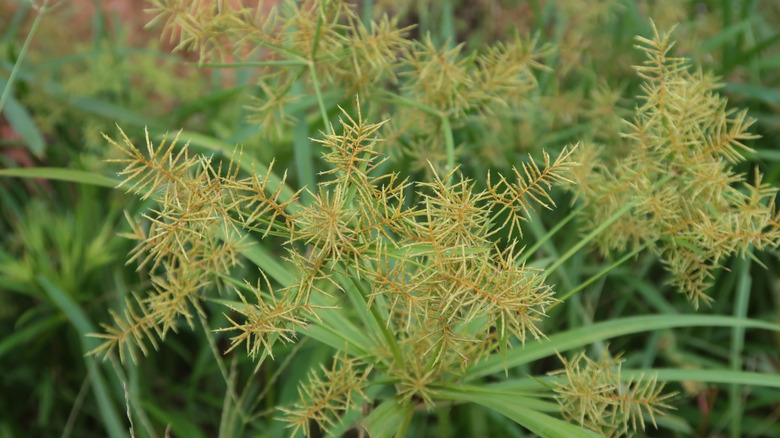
{"x":450,"y":292}
{"x":195,"y":235}
{"x":439,"y":287}
{"x":323,"y":398}
{"x":594,"y":395}
{"x":678,"y":177}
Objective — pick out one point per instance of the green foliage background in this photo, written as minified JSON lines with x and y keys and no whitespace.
{"x":485,"y":86}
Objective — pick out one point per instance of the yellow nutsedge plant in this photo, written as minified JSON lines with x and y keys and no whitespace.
{"x":436,"y":266}
{"x":431,"y":287}
{"x":420,"y":292}
{"x":434,"y":287}
{"x":413,"y":282}
{"x":688,"y":205}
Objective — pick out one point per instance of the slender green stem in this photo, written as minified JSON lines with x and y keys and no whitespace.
{"x":285,"y":234}
{"x":228,"y":418}
{"x":587,"y":239}
{"x":317,"y":33}
{"x":302,"y":148}
{"x":738,"y":342}
{"x":448,"y":23}
{"x":17,"y":65}
{"x":530,"y":251}
{"x":313,"y":69}
{"x":215,"y":351}
{"x":367,"y":12}
{"x":449,"y":142}
{"x":269,"y":384}
{"x":726,"y":20}
{"x":602,"y":273}
{"x":396,"y":99}
{"x":404,"y":427}
{"x":380,"y":322}
{"x":68,"y":429}
{"x":593,"y":234}
{"x":320,"y":101}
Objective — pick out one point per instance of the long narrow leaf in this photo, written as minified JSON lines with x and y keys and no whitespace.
{"x":79,"y":320}
{"x":12,"y":341}
{"x":722,"y":376}
{"x":61,"y":174}
{"x":385,"y":420}
{"x":583,"y":336}
{"x":23,"y":123}
{"x":8,"y":88}
{"x":515,"y":409}
{"x":714,"y":376}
